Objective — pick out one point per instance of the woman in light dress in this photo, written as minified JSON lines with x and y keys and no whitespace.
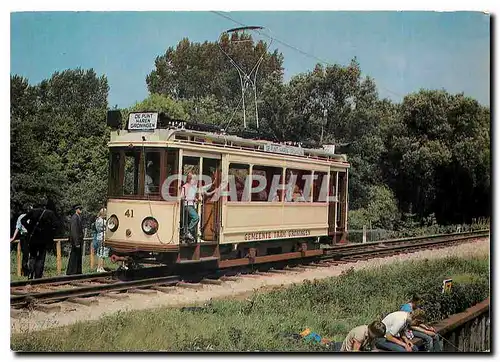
{"x":101,"y":251}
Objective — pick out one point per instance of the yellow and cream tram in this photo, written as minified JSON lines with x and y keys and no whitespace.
{"x":258,"y":201}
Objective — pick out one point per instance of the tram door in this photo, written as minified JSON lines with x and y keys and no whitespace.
{"x":332,"y":203}
{"x":207,"y":170}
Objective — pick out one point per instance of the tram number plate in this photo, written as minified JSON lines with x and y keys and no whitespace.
{"x":129,"y":213}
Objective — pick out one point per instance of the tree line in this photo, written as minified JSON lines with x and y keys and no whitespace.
{"x":426,"y":157}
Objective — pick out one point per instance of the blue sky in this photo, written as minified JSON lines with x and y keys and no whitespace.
{"x":402,"y":51}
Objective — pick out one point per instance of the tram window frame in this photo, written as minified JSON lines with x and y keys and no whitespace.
{"x":157,"y":169}
{"x":268,"y":172}
{"x":166,"y":159}
{"x":115,"y":186}
{"x":242,"y":197}
{"x":171,"y":166}
{"x":136,"y":156}
{"x":318,"y":186}
{"x":300,"y":183}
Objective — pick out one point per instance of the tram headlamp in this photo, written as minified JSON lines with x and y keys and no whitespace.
{"x":113,"y":223}
{"x":149,"y":225}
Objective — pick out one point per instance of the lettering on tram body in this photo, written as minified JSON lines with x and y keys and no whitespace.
{"x":264,"y":235}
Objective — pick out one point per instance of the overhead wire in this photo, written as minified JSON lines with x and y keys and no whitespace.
{"x":294,"y":48}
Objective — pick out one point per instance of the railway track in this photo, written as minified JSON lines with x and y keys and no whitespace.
{"x":78,"y":288}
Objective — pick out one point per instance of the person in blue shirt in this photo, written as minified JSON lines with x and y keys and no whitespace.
{"x":414,"y":303}
{"x":426,"y":333}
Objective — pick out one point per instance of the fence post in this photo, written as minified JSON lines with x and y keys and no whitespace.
{"x":58,"y":256}
{"x":18,"y":258}
{"x":364,"y":233}
{"x":91,"y":255}
{"x":83,"y":247}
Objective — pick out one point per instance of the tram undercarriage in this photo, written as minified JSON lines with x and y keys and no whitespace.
{"x":222,"y":256}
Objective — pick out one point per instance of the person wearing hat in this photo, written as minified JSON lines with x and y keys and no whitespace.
{"x":41,"y":225}
{"x":76,"y":240}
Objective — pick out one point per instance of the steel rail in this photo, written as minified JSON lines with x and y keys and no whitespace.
{"x":443,"y":240}
{"x":62,"y":279}
{"x":400,"y":240}
{"x":57,"y":295}
{"x":27,"y":298}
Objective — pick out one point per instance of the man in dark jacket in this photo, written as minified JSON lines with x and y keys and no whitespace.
{"x":41,"y":224}
{"x":76,"y":240}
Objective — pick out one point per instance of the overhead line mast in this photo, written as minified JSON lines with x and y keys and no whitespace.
{"x":246,"y":79}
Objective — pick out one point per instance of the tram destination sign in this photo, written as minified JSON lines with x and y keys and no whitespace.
{"x":144,"y":121}
{"x":287,"y":150}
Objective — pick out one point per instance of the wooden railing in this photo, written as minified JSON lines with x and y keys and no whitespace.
{"x":58,"y":254}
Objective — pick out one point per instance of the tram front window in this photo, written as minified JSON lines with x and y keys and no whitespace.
{"x":131,"y":173}
{"x":137,"y":173}
{"x":152,"y":174}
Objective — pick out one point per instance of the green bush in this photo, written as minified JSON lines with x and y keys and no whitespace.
{"x":467,"y":290}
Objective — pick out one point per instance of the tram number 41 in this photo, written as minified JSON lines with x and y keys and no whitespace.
{"x":129,"y":213}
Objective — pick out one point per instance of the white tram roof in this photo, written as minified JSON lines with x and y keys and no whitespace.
{"x":144,"y":130}
{"x":162,"y":137}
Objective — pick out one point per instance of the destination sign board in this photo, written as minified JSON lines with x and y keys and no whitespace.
{"x":329,"y":148}
{"x":287,"y":150}
{"x":142,"y":121}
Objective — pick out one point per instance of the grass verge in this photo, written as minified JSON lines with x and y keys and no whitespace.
{"x":330,"y":307}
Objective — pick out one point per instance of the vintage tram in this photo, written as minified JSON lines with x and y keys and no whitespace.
{"x":257,"y":201}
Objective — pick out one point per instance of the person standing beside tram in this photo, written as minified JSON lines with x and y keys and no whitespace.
{"x":41,"y":224}
{"x":102,"y":252}
{"x":23,"y":233}
{"x":76,"y":240}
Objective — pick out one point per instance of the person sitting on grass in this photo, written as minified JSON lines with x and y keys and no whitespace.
{"x":426,"y":333}
{"x":361,"y":338}
{"x":397,"y":325}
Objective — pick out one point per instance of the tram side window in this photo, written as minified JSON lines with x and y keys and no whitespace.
{"x":238,"y":175}
{"x":320,"y":187}
{"x":172,"y":169}
{"x":298,"y":185}
{"x":131,"y":173}
{"x":152,"y":173}
{"x":114,"y":187}
{"x":266,"y":183}
{"x":333,"y":187}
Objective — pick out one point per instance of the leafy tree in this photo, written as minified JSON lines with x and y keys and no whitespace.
{"x":438,"y":156}
{"x":159,"y":103}
{"x":428,"y":156}
{"x":381,"y":211}
{"x":195,"y":71}
{"x":59,"y":140}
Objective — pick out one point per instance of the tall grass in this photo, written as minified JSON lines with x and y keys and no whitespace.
{"x":262,"y":322}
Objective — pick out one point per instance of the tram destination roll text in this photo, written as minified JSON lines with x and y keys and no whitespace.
{"x":142,"y":121}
